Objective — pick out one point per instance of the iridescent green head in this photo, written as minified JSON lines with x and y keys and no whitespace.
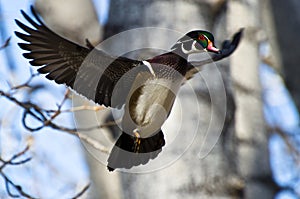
{"x":197,"y":41}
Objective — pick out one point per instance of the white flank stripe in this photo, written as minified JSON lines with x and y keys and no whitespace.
{"x":149,"y":67}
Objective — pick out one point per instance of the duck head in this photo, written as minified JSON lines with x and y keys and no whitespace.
{"x":196,"y":41}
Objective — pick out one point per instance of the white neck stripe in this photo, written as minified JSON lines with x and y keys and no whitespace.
{"x":193,"y":50}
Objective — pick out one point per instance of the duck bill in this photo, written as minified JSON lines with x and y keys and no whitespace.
{"x":211,"y":48}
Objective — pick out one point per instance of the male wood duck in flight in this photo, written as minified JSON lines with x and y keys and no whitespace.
{"x":147,"y":88}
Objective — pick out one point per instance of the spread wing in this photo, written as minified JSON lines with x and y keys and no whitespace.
{"x":88,"y":71}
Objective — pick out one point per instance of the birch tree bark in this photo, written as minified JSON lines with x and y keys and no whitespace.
{"x":77,"y":21}
{"x":251,"y":135}
{"x":237,"y":166}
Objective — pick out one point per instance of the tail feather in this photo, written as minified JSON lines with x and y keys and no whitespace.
{"x":130,"y":151}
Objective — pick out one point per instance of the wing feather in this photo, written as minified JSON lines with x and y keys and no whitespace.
{"x":90,"y":72}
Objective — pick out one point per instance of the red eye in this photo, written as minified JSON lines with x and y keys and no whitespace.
{"x":201,"y":37}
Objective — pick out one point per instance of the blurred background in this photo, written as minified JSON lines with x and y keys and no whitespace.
{"x":257,"y":154}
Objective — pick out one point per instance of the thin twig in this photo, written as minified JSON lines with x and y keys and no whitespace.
{"x":96,"y":144}
{"x":294,"y":151}
{"x":46,"y":119}
{"x":84,"y":107}
{"x":82,"y":191}
{"x":14,"y":157}
{"x":27,"y":83}
{"x":6,"y":43}
{"x":8,"y":182}
{"x":18,"y":188}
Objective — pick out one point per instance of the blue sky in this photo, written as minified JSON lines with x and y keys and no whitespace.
{"x":58,"y":163}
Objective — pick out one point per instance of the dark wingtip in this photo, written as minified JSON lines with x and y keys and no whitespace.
{"x":19,"y":23}
{"x":228,"y":47}
{"x":32,"y":8}
{"x":23,"y":46}
{"x":30,"y":20}
{"x":110,"y":169}
{"x":126,"y":154}
{"x":237,"y":37}
{"x":239,"y":33}
{"x":34,"y":63}
{"x":20,"y":35}
{"x":27,"y":55}
{"x":33,"y":11}
{"x":23,"y":12}
{"x":25,"y":15}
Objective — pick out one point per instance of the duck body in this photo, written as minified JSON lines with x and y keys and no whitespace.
{"x":152,"y":95}
{"x":147,"y":106}
{"x":147,"y":88}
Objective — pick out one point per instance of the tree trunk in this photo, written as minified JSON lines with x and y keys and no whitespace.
{"x":199,"y":162}
{"x":287,"y":22}
{"x":237,"y":166}
{"x":77,"y":20}
{"x":251,"y":135}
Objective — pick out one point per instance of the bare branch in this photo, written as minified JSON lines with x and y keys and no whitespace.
{"x":292,"y":148}
{"x":46,"y":117}
{"x":84,"y":108}
{"x":6,"y":43}
{"x":27,"y":83}
{"x":8,"y":182}
{"x":82,"y":192}
{"x":93,"y":143}
{"x":18,"y":188}
{"x":14,"y":157}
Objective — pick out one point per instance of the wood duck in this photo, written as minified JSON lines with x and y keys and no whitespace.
{"x":147,"y":88}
